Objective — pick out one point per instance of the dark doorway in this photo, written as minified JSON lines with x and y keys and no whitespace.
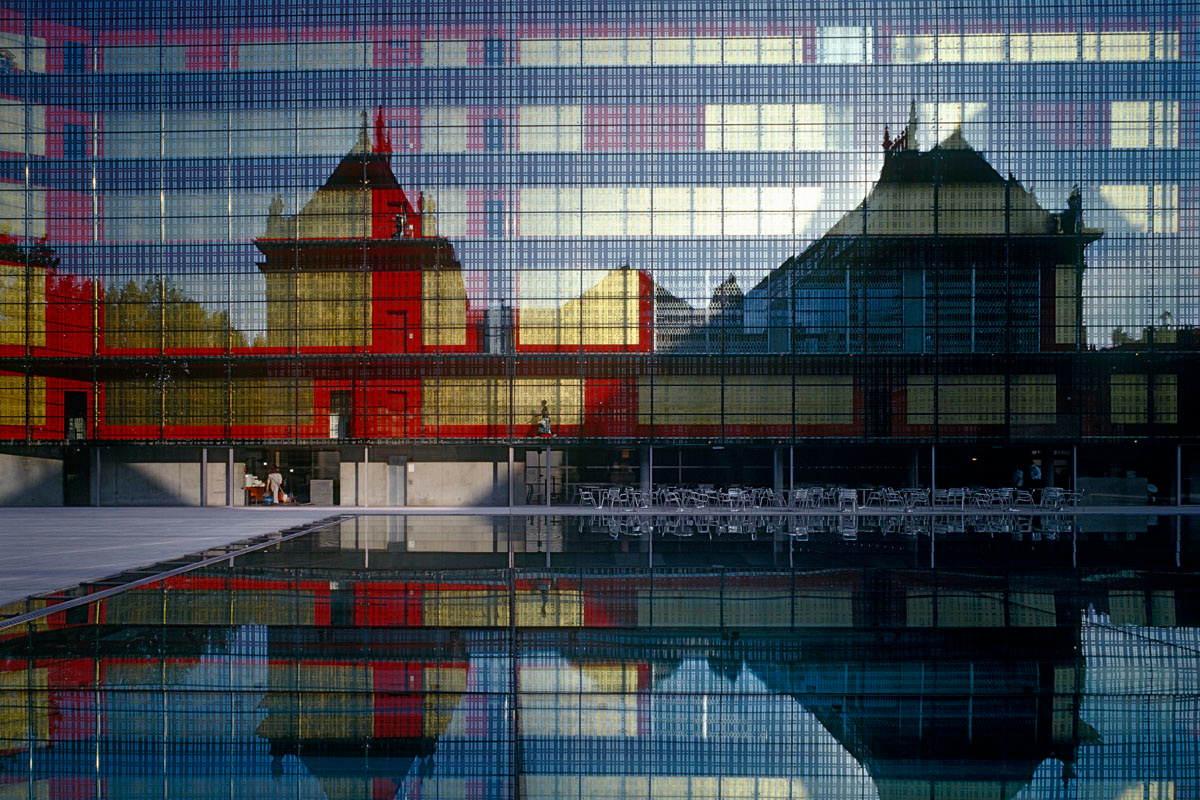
{"x":77,"y":476}
{"x":340,"y":414}
{"x":75,"y":408}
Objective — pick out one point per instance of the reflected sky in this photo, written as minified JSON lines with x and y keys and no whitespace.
{"x":349,"y":680}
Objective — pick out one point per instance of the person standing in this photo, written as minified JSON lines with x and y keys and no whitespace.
{"x":544,"y":421}
{"x":1035,"y":474}
{"x":275,"y":484}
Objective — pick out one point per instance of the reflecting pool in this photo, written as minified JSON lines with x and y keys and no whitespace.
{"x":378,"y":658}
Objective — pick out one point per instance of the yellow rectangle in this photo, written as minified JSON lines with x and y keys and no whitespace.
{"x":1066,"y":305}
{"x":22,"y":403}
{"x":22,"y":305}
{"x":607,"y":314}
{"x":501,"y":401}
{"x":443,"y":308}
{"x":748,"y":400}
{"x":1127,"y":395}
{"x":248,"y":401}
{"x":980,"y":399}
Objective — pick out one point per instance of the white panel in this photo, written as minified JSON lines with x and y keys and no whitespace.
{"x":444,"y":53}
{"x":444,"y":130}
{"x":451,"y":212}
{"x":549,"y":129}
{"x":672,"y":211}
{"x":637,"y":52}
{"x":28,"y":53}
{"x":131,"y":216}
{"x":672,"y":52}
{"x":22,"y":211}
{"x":198,"y":134}
{"x":845,"y":45}
{"x":638,"y":220}
{"x":132,"y":58}
{"x":603,"y":211}
{"x":779,"y":50}
{"x":1143,"y":208}
{"x":606,"y":52}
{"x":538,"y":52}
{"x":706,"y":51}
{"x":740,"y":207}
{"x":776,"y":127}
{"x":740,"y":50}
{"x":17,"y":120}
{"x":270,"y":57}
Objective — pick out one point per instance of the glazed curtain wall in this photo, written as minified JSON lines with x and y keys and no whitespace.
{"x":663,"y":222}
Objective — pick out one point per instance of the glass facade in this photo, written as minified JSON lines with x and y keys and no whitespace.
{"x":787,"y":222}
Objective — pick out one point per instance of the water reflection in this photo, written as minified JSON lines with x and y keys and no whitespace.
{"x":325,"y":670}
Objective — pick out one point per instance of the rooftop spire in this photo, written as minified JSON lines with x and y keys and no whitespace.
{"x":363,"y":145}
{"x":911,"y":133}
{"x":382,"y":143}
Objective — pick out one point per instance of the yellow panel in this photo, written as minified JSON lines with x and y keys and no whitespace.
{"x":20,"y":691}
{"x":914,"y":49}
{"x":1127,"y":607}
{"x":780,"y":50}
{"x":486,"y":401}
{"x":740,"y":50}
{"x":1162,"y":608}
{"x":1031,"y":610}
{"x":919,"y":609}
{"x":607,"y":52}
{"x":970,"y":610}
{"x":1166,"y":46}
{"x":318,"y":701}
{"x":608,"y":314}
{"x":22,"y":305}
{"x":1166,"y":399}
{"x":1127,"y":399}
{"x":825,"y":608}
{"x":318,"y":309}
{"x":672,"y":52}
{"x":1033,"y":400}
{"x":443,"y":308}
{"x":13,"y":399}
{"x":1053,"y":46}
{"x":538,"y":52}
{"x":985,"y":47}
{"x":1165,"y":200}
{"x":1125,"y":46}
{"x":1066,"y":305}
{"x":1130,"y":124}
{"x":753,"y":400}
{"x":255,"y":401}
{"x":443,"y":689}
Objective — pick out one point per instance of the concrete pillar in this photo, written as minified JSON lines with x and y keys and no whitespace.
{"x":647,"y":468}
{"x":203,"y":476}
{"x":229,"y":487}
{"x":95,"y":476}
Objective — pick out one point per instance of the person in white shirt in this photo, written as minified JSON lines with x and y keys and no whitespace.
{"x":275,"y":484}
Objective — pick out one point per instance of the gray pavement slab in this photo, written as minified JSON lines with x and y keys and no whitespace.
{"x":44,"y":549}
